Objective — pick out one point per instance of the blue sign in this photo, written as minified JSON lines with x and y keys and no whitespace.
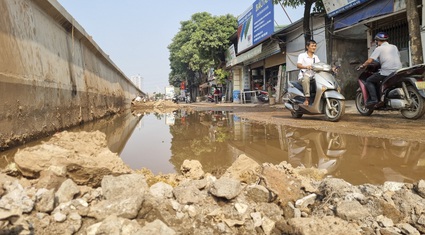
{"x":255,"y":24}
{"x":334,"y":8}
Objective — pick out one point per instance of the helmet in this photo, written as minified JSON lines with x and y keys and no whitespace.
{"x":381,"y":36}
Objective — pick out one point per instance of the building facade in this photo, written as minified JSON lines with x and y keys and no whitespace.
{"x":344,"y":36}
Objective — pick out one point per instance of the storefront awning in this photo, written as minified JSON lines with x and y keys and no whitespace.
{"x":369,"y":10}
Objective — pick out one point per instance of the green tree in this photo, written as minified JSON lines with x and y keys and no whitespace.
{"x":221,"y":75}
{"x":198,"y":46}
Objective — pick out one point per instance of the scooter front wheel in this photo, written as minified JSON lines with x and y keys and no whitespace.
{"x":335,"y":111}
{"x":296,"y":114}
{"x":361,"y":105}
{"x":417,"y":109}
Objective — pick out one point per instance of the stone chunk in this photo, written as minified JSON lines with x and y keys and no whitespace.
{"x":67,"y":191}
{"x":306,"y":201}
{"x":187,"y":194}
{"x":161,"y":190}
{"x":123,"y":186}
{"x":420,"y":188}
{"x":156,"y":227}
{"x":226,"y":187}
{"x":45,"y":200}
{"x":351,"y":210}
{"x":192,"y":169}
{"x":258,"y":193}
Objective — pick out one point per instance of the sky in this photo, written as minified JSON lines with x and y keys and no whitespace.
{"x":136,"y":33}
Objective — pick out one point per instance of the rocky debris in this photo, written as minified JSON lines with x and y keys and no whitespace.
{"x":246,"y":199}
{"x":83,"y":157}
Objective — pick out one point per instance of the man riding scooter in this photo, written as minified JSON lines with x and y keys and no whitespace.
{"x":305,"y":64}
{"x":389,"y":58}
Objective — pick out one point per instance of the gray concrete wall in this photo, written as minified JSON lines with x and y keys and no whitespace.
{"x":348,"y":53}
{"x":52,"y":74}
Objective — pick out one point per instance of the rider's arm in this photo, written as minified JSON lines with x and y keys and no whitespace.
{"x":367,"y":62}
{"x":300,"y":66}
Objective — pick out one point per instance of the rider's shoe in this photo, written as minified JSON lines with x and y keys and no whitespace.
{"x":371,"y":103}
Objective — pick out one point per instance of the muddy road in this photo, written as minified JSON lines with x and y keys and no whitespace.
{"x":61,"y":186}
{"x":380,"y":124}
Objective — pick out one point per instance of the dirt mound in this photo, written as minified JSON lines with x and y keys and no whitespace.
{"x":160,"y":106}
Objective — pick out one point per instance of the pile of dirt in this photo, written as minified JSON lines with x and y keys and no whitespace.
{"x":160,"y":106}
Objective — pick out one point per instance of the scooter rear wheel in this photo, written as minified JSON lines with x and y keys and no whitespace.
{"x":361,"y":105}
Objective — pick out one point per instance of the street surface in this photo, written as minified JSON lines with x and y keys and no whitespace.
{"x":389,"y":124}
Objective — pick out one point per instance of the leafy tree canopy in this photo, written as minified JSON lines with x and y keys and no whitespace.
{"x":308,"y":4}
{"x":198,"y":46}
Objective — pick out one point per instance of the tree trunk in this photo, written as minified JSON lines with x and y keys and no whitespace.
{"x":306,"y":20}
{"x":414,"y":32}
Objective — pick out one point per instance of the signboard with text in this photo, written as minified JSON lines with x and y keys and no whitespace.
{"x":334,"y":7}
{"x":255,"y":24}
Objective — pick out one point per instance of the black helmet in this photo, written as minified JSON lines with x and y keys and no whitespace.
{"x":381,"y":36}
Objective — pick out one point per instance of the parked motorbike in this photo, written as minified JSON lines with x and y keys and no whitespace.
{"x":325,"y":96}
{"x":175,"y":99}
{"x":263,"y":96}
{"x":210,"y":98}
{"x":187,"y":99}
{"x":403,"y":90}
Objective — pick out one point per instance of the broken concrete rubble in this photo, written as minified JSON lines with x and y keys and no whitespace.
{"x":273,"y":199}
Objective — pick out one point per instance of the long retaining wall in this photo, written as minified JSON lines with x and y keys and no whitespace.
{"x":52,"y":74}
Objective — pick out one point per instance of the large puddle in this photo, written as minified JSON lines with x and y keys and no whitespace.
{"x":161,"y":142}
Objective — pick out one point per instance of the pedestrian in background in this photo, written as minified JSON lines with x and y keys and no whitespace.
{"x":216,"y":94}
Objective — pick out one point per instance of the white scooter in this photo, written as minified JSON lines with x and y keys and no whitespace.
{"x":325,"y":96}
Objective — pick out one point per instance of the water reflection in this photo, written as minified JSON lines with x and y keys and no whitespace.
{"x":379,"y":160}
{"x":150,"y":144}
{"x":217,"y":138}
{"x":161,"y":142}
{"x":202,"y":136}
{"x":322,"y":150}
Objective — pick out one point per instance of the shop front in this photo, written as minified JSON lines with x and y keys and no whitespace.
{"x":263,"y":71}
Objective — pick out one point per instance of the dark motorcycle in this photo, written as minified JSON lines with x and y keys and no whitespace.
{"x":175,"y":99}
{"x":402,"y":90}
{"x":263,"y":96}
{"x":210,"y":98}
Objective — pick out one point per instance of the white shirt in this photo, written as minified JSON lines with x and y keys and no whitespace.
{"x":305,"y":60}
{"x":389,"y":58}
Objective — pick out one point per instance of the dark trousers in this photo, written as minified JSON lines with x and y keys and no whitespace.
{"x":216,"y":98}
{"x":371,"y":83}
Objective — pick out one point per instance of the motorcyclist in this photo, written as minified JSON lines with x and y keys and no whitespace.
{"x":305,"y":64}
{"x":389,"y":58}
